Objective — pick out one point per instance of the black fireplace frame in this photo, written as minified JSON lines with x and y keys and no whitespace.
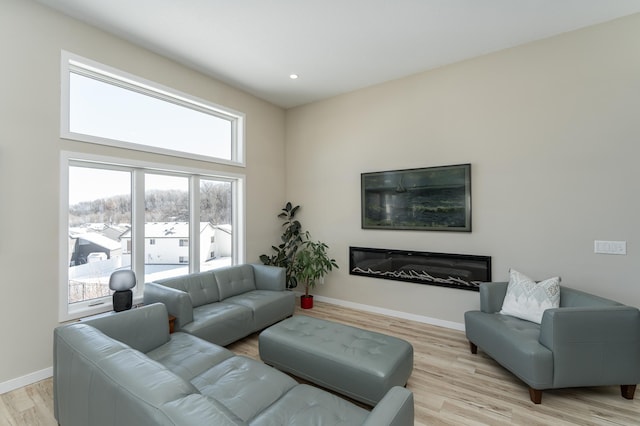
{"x":461,"y":271}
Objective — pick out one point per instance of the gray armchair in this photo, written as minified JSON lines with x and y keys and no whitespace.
{"x":587,"y":341}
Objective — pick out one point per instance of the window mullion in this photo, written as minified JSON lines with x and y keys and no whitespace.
{"x":194,"y":224}
{"x":137,"y":228}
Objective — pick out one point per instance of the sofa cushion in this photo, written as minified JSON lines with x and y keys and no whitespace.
{"x":136,"y":372}
{"x":220,"y":323}
{"x":189,"y":356}
{"x":198,"y":410}
{"x":268,"y":306}
{"x":528,"y":299}
{"x":243,"y":385}
{"x":269,"y":277}
{"x":201,"y":286}
{"x":307,"y":405}
{"x":234,"y":280}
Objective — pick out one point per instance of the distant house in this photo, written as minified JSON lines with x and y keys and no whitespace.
{"x":115,"y":231}
{"x":222,"y":241}
{"x":92,"y":246}
{"x":167,"y":243}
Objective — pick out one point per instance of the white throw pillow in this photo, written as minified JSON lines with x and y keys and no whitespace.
{"x":528,"y":299}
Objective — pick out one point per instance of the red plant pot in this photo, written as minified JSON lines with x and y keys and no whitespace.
{"x":306,"y":302}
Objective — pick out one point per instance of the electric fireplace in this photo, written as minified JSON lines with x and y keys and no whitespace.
{"x":461,"y":271}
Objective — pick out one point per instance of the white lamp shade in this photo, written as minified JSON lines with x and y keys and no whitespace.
{"x":122,"y":280}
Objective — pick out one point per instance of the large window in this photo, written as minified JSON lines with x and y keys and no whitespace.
{"x":107,"y":106}
{"x":99,"y":212}
{"x":158,"y":221}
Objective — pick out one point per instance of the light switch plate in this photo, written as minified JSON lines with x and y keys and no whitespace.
{"x":610,"y":247}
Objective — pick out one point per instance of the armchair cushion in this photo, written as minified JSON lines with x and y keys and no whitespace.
{"x":527,"y":299}
{"x":514,"y":344}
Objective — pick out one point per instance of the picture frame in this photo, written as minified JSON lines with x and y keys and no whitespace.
{"x":422,"y":199}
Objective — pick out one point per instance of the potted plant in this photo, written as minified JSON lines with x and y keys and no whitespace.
{"x":310,"y":264}
{"x":291,"y":240}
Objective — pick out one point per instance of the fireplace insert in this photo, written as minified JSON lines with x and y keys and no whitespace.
{"x":462,"y":271}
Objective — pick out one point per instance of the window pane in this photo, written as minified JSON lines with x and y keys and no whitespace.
{"x":109,"y":111}
{"x":215,"y":224}
{"x":99,"y":214}
{"x":166,"y":208}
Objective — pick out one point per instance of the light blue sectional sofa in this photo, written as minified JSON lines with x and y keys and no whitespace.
{"x":126,"y":369}
{"x":587,"y":341}
{"x":226,"y":304}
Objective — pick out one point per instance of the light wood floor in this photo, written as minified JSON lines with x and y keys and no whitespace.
{"x":450,"y":385}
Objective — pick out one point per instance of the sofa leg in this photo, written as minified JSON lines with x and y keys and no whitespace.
{"x":535,"y":395}
{"x":473,"y":347}
{"x":628,"y":391}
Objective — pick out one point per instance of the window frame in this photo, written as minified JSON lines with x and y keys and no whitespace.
{"x":72,"y":63}
{"x":67,"y":311}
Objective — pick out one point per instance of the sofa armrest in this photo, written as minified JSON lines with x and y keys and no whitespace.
{"x":150,"y":332}
{"x":394,"y":409}
{"x":492,"y":296}
{"x":178,"y":302}
{"x":593,"y":345}
{"x":269,"y":277}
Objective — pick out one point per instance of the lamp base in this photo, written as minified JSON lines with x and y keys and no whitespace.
{"x":122,"y":300}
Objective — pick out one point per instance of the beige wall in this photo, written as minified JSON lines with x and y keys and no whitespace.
{"x":31,"y":37}
{"x":552,"y":130}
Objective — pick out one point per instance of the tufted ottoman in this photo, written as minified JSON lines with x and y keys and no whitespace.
{"x":357,"y":363}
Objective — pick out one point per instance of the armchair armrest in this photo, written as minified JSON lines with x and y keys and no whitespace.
{"x":178,"y":302}
{"x":269,"y":277}
{"x":394,"y":409}
{"x":492,"y":296}
{"x":593,"y":345}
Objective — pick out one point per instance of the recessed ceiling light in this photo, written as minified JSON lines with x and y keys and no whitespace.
{"x":293,"y":76}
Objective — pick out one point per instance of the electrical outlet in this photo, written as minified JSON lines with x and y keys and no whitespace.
{"x":610,"y":247}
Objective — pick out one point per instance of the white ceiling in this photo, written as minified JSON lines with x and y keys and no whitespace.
{"x":335,"y":46}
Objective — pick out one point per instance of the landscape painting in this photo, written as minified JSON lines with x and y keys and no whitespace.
{"x":426,"y":199}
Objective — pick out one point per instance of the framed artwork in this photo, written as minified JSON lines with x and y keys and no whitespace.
{"x":426,"y":199}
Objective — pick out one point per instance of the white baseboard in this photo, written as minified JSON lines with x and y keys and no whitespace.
{"x":392,"y":313}
{"x":28,"y":379}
